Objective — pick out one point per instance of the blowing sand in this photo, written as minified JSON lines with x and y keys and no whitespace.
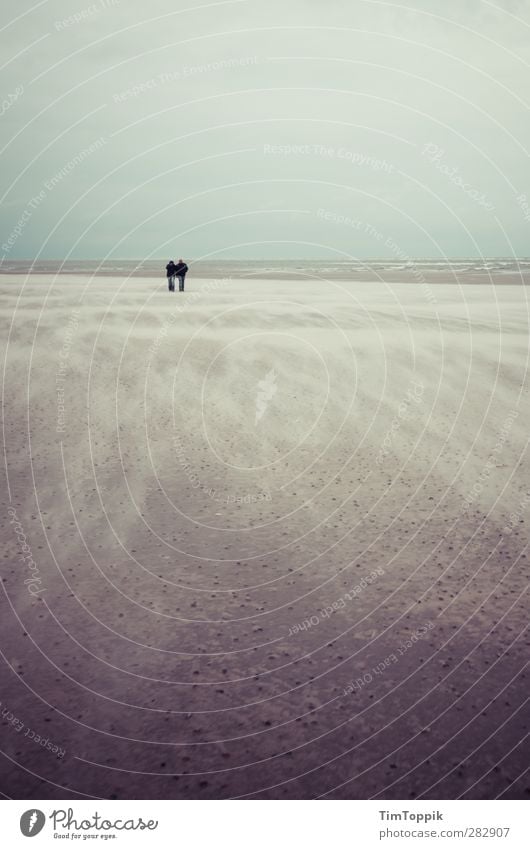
{"x":273,"y":535}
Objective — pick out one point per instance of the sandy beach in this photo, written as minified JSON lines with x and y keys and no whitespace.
{"x":265,"y":538}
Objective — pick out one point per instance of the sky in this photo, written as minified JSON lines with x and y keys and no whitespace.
{"x":345,"y":129}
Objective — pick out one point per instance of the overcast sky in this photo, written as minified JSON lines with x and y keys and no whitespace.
{"x":286,"y":128}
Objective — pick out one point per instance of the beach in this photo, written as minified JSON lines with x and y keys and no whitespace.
{"x":266,"y":538}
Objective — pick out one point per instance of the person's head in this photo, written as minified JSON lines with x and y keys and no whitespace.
{"x":181,"y":260}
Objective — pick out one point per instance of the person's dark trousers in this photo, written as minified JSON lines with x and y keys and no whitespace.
{"x":171,"y":284}
{"x":181,"y":284}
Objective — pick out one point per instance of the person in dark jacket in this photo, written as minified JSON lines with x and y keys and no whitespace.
{"x":170,"y":274}
{"x":180,"y":271}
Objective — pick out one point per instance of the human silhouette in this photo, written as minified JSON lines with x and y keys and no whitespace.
{"x":181,"y":270}
{"x":170,"y":274}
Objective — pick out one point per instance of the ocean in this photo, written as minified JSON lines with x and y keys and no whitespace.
{"x":279,"y":269}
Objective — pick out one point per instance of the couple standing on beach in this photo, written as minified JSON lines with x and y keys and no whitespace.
{"x":179,"y":270}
